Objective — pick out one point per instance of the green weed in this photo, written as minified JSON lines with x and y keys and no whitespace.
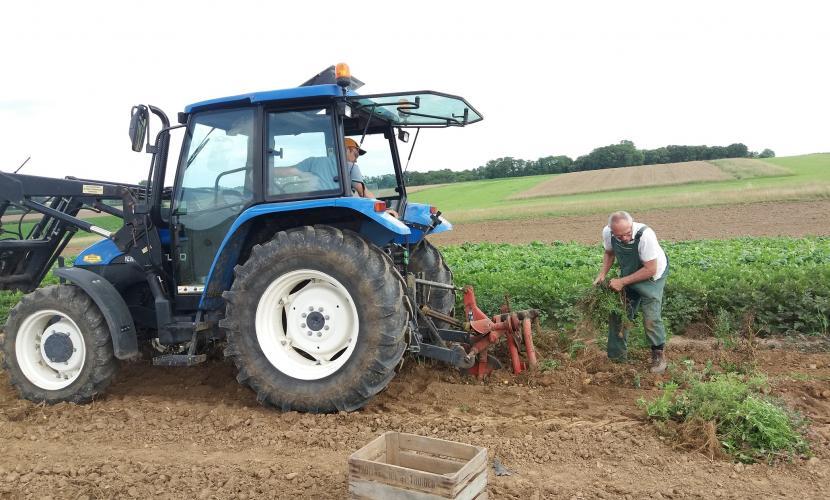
{"x":723,"y":330}
{"x":749,"y":426}
{"x":547,"y":365}
{"x":575,"y":348}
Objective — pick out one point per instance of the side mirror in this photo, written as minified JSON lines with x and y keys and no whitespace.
{"x":403,"y":135}
{"x":138,"y":126}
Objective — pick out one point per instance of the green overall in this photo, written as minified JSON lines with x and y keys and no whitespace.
{"x":647,"y":294}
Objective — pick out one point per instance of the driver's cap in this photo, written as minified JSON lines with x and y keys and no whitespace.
{"x":351,"y":143}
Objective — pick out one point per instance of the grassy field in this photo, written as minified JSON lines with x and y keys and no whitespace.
{"x":80,"y":240}
{"x":663,"y":174}
{"x":488,"y":200}
{"x":460,"y":196}
{"x":108,"y":222}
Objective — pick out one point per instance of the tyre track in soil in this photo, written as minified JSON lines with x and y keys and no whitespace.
{"x":795,"y":218}
{"x":574,"y":432}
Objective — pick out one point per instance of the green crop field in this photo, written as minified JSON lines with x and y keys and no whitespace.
{"x":783,"y":282}
{"x":488,"y":200}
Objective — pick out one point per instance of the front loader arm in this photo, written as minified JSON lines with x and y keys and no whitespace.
{"x":25,"y":259}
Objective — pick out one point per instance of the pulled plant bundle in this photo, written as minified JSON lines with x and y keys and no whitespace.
{"x":597,"y":304}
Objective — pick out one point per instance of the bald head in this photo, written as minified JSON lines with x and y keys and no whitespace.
{"x":621,"y":224}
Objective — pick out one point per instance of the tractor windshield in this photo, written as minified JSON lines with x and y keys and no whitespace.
{"x":419,"y":109}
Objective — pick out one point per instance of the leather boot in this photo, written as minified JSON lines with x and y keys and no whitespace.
{"x":658,"y":361}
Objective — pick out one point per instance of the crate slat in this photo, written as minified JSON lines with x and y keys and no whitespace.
{"x":373,"y":490}
{"x":437,"y":446}
{"x":429,"y":464}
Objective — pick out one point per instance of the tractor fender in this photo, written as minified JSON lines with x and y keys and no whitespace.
{"x":378,"y":227}
{"x":421,"y":220}
{"x":104,"y":251}
{"x":112,"y":306}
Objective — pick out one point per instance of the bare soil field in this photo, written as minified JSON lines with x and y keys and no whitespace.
{"x":611,"y":179}
{"x":807,"y":218}
{"x":575,"y":432}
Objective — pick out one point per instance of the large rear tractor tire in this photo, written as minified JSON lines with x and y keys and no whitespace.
{"x":57,"y":346}
{"x":427,"y":259}
{"x":316,"y":320}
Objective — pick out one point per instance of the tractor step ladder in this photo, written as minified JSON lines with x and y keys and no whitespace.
{"x":179,"y":359}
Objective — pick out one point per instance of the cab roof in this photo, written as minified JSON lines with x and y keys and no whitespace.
{"x":327,"y":90}
{"x":415,"y":109}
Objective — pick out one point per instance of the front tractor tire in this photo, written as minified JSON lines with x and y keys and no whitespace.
{"x":316,"y":320}
{"x":57,"y":346}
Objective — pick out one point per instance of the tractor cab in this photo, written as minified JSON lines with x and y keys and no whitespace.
{"x":246,"y":158}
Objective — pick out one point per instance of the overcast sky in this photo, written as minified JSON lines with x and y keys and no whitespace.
{"x":549,"y":79}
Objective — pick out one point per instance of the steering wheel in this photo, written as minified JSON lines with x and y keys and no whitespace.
{"x":305,"y":183}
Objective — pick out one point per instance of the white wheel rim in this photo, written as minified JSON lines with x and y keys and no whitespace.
{"x":31,"y":352}
{"x":307,"y":324}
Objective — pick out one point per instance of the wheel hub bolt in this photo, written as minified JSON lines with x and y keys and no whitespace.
{"x":309,"y":333}
{"x":303,"y":315}
{"x":326,"y":327}
{"x":320,"y":309}
{"x":319,"y":334}
{"x":327,"y":316}
{"x":302,"y":325}
{"x":310,"y":308}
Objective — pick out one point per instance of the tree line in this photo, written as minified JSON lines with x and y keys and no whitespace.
{"x":623,"y":154}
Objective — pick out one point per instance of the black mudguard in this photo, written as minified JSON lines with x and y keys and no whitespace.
{"x":112,"y":306}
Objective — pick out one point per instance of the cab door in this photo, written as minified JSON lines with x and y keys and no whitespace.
{"x":215,"y":185}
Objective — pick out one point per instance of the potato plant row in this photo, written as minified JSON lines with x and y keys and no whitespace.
{"x":783,"y":283}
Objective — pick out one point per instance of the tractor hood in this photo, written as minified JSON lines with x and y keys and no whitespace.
{"x":419,"y":109}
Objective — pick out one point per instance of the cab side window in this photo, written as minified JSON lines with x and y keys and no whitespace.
{"x":301,"y":154}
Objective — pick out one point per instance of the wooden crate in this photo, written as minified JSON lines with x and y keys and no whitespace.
{"x":397,"y":465}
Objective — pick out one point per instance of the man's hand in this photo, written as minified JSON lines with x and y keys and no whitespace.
{"x":600,"y":278}
{"x":616,"y":284}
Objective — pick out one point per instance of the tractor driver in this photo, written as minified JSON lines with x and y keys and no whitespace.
{"x":325,"y":171}
{"x":353,"y":150}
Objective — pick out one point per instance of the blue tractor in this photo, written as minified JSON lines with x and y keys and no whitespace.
{"x":262,"y":246}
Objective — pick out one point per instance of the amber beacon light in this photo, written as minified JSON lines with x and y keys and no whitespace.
{"x":343,"y":75}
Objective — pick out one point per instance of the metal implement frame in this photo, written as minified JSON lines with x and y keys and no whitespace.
{"x":467,"y":348}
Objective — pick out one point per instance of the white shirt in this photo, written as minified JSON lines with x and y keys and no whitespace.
{"x":648,"y":249}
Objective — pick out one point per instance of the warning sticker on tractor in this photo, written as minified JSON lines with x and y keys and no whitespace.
{"x":93,"y":189}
